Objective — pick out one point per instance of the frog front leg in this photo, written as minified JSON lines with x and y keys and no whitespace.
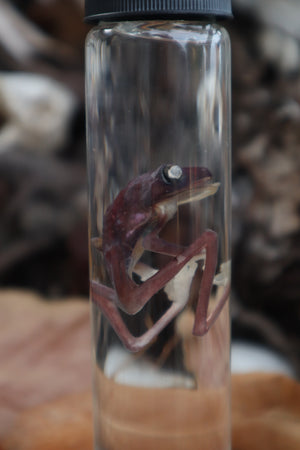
{"x":208,"y":241}
{"x":132,"y":297}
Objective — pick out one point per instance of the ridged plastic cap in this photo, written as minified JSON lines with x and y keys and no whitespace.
{"x":96,"y":10}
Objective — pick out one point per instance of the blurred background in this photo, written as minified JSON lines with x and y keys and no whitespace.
{"x":43,"y":201}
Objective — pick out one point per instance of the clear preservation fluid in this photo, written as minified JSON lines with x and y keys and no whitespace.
{"x":158,"y":146}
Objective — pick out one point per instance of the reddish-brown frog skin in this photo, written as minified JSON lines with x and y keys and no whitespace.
{"x":140,"y":211}
{"x":132,"y":225}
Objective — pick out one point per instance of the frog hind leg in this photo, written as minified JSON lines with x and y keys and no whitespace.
{"x":104,"y":297}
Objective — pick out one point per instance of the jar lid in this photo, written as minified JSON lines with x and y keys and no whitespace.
{"x":96,"y":10}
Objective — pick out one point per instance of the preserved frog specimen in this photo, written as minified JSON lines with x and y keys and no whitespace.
{"x":131,"y":226}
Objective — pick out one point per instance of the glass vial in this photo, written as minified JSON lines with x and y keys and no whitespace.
{"x":158,"y":108}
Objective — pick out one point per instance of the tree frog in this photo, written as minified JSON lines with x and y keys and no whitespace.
{"x":131,"y":226}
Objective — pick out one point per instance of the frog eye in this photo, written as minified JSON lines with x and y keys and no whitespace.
{"x":171,"y":173}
